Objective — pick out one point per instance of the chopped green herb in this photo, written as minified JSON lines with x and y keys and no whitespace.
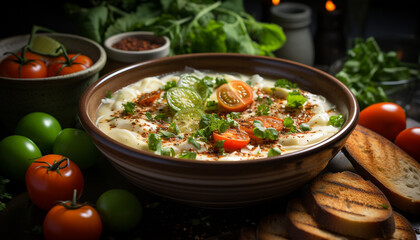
{"x":109,"y":94}
{"x":212,"y":105}
{"x":289,"y":124}
{"x":169,"y":85}
{"x":263,"y":110}
{"x":129,"y":108}
{"x":264,"y":133}
{"x":220,"y":81}
{"x":173,"y":128}
{"x":284,"y":83}
{"x":149,"y":116}
{"x":154,"y":141}
{"x":273,"y":152}
{"x":304,"y":127}
{"x":161,"y":116}
{"x":194,"y":142}
{"x":384,"y":206}
{"x":220,"y":146}
{"x":166,"y":134}
{"x":295,"y":99}
{"x":168,"y":151}
{"x":249,"y":82}
{"x":336,"y":121}
{"x":188,"y":155}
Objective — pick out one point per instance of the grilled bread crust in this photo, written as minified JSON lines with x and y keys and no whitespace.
{"x":301,"y":225}
{"x":387,"y":166}
{"x":345,"y":203}
{"x":272,"y":227}
{"x":403,"y":228}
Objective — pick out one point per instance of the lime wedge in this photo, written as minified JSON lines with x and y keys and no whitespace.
{"x":180,"y":97}
{"x":188,"y":119}
{"x":45,"y":45}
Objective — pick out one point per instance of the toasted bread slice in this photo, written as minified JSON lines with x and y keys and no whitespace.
{"x":403,"y":228}
{"x":387,"y":166}
{"x":272,"y":227}
{"x":345,"y":203}
{"x":301,"y":225}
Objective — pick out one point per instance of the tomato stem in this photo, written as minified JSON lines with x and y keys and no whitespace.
{"x":55,"y":166}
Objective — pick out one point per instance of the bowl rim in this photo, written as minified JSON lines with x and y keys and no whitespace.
{"x":96,"y":67}
{"x":115,"y":38}
{"x":90,"y":126}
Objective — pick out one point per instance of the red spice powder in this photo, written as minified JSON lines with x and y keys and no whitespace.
{"x":135,"y":44}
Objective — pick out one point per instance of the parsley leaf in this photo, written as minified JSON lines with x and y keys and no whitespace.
{"x":289,"y":123}
{"x":263,"y":109}
{"x":295,"y":99}
{"x":194,"y":142}
{"x":188,"y":155}
{"x":284,"y":83}
{"x":149,"y":116}
{"x":264,"y":133}
{"x":129,"y":107}
{"x":169,"y":85}
{"x":336,"y":121}
{"x":220,"y":81}
{"x":304,"y":127}
{"x":273,"y":152}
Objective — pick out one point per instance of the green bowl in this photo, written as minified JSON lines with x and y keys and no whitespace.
{"x":58,"y":95}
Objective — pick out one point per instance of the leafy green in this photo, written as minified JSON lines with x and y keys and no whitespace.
{"x":264,"y":133}
{"x":192,"y":26}
{"x":284,"y":83}
{"x":290,"y":125}
{"x":129,"y":107}
{"x":366,"y":67}
{"x":273,"y":152}
{"x":154,"y":141}
{"x":188,"y":155}
{"x":295,"y":99}
{"x":3,"y":193}
{"x":336,"y":121}
{"x":263,"y":110}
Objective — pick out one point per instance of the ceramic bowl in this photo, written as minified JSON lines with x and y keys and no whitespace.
{"x":119,"y":58}
{"x":58,"y":95}
{"x":228,"y":183}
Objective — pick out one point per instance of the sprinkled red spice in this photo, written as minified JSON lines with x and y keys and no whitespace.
{"x":136,"y":44}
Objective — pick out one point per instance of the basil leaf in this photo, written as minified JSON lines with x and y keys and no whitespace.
{"x":273,"y":152}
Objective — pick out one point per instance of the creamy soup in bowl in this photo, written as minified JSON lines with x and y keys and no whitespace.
{"x":216,"y":116}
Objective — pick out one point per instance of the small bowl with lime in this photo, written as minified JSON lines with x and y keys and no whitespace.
{"x":56,"y":95}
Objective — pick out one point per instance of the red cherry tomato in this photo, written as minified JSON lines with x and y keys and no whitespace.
{"x":387,"y":119}
{"x":28,"y":65}
{"x":70,"y":220}
{"x":409,"y":141}
{"x":235,"y":96}
{"x":267,"y":121}
{"x":53,"y":178}
{"x":234,"y":139}
{"x":69,"y":64}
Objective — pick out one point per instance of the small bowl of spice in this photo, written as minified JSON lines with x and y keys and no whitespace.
{"x":131,"y":47}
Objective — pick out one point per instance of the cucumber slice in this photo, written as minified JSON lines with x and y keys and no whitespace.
{"x":181,"y":97}
{"x":187,"y":120}
{"x":194,"y":83}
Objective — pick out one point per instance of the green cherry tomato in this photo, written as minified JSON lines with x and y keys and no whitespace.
{"x":40,"y":127}
{"x":16,"y":154}
{"x":120,"y":210}
{"x":77,"y":145}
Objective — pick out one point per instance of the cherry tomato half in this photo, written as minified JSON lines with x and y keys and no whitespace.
{"x":267,"y":121}
{"x":70,"y":220}
{"x":234,"y":139}
{"x":53,"y":178}
{"x":29,"y":65}
{"x":409,"y":141}
{"x":65,"y":65}
{"x":235,"y":96}
{"x":386,"y":118}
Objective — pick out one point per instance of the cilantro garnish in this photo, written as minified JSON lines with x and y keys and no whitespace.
{"x":188,"y":155}
{"x":263,"y":110}
{"x":212,"y":105}
{"x":264,"y":133}
{"x":108,"y":94}
{"x":154,"y":141}
{"x":336,"y":121}
{"x":220,"y":81}
{"x":284,"y":83}
{"x":129,"y":107}
{"x":149,"y":116}
{"x":289,"y":123}
{"x":295,"y":99}
{"x":169,"y":85}
{"x":304,"y":127}
{"x":194,"y":142}
{"x":273,"y":152}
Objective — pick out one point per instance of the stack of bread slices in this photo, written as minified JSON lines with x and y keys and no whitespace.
{"x":353,"y":205}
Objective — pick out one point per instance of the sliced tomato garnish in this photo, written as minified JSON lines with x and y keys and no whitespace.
{"x":267,"y":121}
{"x":235,"y":96}
{"x":234,"y":139}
